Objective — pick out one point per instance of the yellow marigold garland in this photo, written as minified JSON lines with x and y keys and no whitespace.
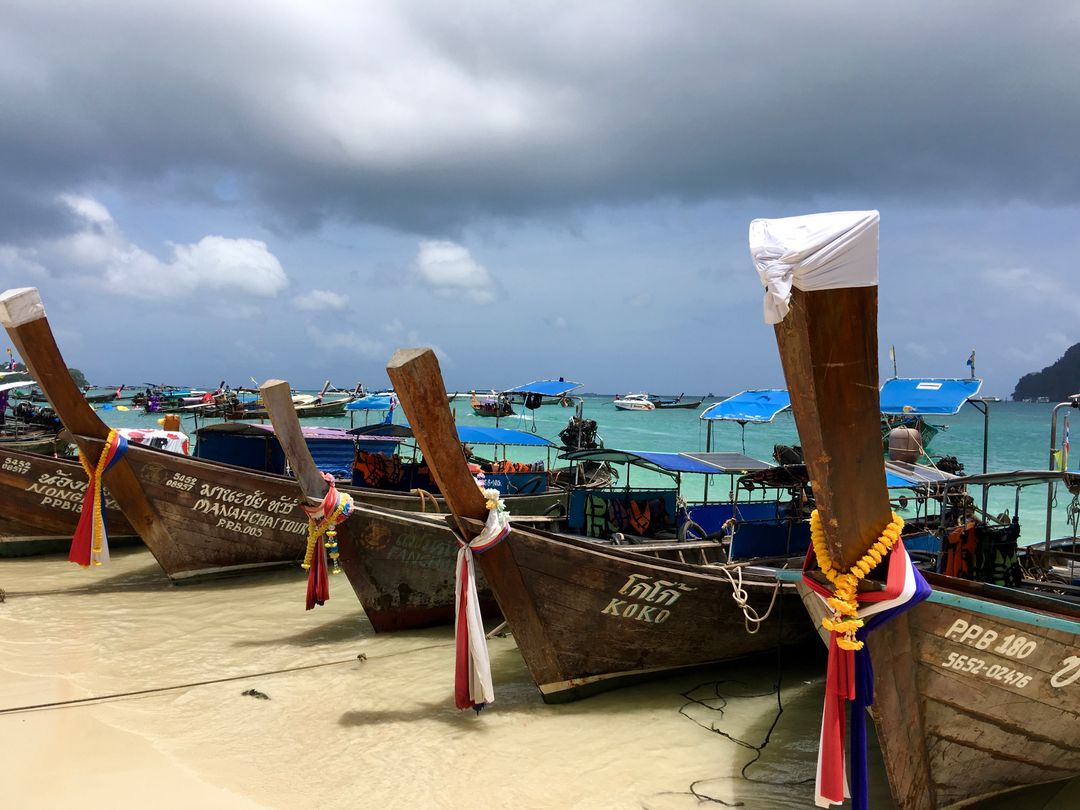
{"x":845,"y":620}
{"x":317,"y":529}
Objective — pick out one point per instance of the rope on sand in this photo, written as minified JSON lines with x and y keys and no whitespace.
{"x":60,"y":704}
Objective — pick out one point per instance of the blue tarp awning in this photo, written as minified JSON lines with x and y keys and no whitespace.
{"x":545,"y":388}
{"x":492,"y":435}
{"x":370,"y":403}
{"x":750,"y":406}
{"x":913,"y":395}
{"x":468,"y":434}
{"x":700,"y":463}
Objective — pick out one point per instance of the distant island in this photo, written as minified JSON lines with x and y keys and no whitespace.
{"x":1057,"y":382}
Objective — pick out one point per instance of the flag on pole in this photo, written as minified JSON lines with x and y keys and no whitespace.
{"x":11,"y":361}
{"x":971,"y":360}
{"x":1065,"y":445}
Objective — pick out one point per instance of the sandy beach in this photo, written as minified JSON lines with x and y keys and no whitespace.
{"x":350,"y":719}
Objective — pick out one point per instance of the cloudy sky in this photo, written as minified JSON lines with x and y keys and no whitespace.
{"x":207,"y":190}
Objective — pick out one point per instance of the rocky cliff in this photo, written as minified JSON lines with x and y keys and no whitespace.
{"x":1056,"y":382}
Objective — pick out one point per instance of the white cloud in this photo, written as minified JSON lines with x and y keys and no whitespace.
{"x":320,"y":301}
{"x":353,"y":342}
{"x":98,"y":249}
{"x":20,"y":263}
{"x":449,"y":270}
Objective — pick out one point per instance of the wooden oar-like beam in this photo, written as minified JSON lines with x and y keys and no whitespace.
{"x":277,"y":396}
{"x":23,"y":315}
{"x":419,"y":386}
{"x":828,"y":346}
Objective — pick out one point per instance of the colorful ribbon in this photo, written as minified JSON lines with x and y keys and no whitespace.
{"x":850,"y":677}
{"x":334,"y":509}
{"x":472,"y":667}
{"x":90,"y":545}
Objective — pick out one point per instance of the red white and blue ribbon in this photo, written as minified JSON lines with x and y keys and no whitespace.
{"x":90,"y":545}
{"x":334,"y":508}
{"x":472,"y":667}
{"x":851,"y":678}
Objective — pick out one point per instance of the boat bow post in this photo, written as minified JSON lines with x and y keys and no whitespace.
{"x":419,"y":385}
{"x":325,"y":508}
{"x":22,"y":314}
{"x":820,"y":278}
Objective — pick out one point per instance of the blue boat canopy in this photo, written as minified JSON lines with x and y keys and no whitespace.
{"x":545,"y":388}
{"x":701,"y":463}
{"x":467,"y":434}
{"x":915,"y":396}
{"x":750,"y":406}
{"x":373,"y":402}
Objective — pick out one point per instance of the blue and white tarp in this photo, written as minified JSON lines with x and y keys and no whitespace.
{"x":927,"y":396}
{"x":700,"y":463}
{"x":750,"y":406}
{"x":373,"y":402}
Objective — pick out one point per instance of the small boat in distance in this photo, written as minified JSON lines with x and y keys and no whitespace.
{"x":634,"y":402}
{"x":492,"y":405}
{"x":677,"y":402}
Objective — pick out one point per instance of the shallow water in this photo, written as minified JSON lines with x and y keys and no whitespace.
{"x":160,"y":672}
{"x":1019,"y":435}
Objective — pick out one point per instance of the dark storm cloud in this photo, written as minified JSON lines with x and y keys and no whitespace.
{"x":424,"y":116}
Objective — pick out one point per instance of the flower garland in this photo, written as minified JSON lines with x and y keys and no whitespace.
{"x":845,"y":621}
{"x":322,"y":520}
{"x":317,"y":528}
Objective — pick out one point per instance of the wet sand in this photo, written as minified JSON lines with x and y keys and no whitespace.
{"x":353,"y":719}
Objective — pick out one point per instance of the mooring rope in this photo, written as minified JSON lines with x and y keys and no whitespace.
{"x":61,"y":704}
{"x":752,"y":620}
{"x":425,"y":496}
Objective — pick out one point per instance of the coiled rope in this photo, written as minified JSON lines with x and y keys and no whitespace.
{"x":752,"y":620}
{"x":426,"y":496}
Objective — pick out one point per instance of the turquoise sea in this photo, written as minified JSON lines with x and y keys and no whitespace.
{"x":1019,"y":440}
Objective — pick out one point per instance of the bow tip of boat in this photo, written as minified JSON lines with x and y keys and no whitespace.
{"x":403,"y":357}
{"x":20,"y":305}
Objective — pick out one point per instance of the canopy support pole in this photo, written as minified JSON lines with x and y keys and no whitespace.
{"x":708,"y":449}
{"x":1073,"y":402}
{"x":984,"y":408}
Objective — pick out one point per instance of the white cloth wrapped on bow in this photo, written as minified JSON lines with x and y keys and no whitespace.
{"x":813,"y":252}
{"x":472,"y":682}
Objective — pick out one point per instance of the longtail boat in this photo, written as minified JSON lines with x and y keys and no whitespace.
{"x":42,"y":497}
{"x":588,"y":616}
{"x":399,"y":564}
{"x":975,"y":690}
{"x":196,"y":517}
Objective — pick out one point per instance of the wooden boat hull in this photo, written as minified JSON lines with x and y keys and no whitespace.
{"x":987,"y":682}
{"x":588,"y":617}
{"x":42,"y":498}
{"x":335,"y":408}
{"x":400,"y":562}
{"x":548,"y":503}
{"x":401,"y":567}
{"x":100,"y":398}
{"x":44,"y":444}
{"x":216,"y":517}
